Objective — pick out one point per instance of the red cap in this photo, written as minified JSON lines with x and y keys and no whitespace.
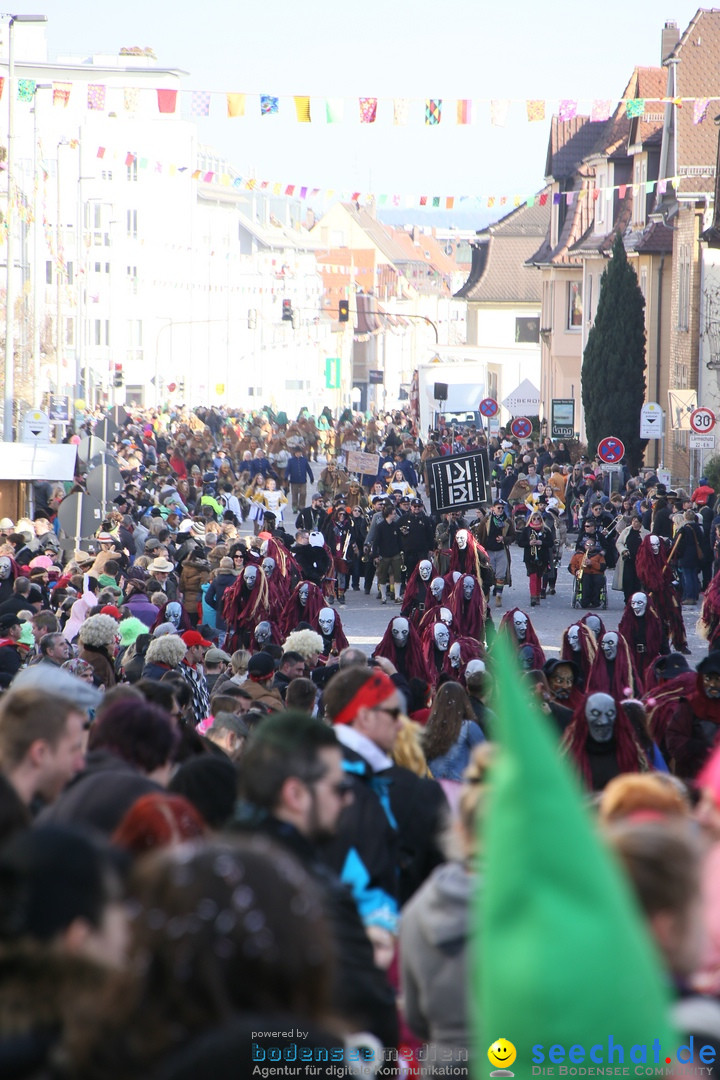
{"x":192,"y":637}
{"x":110,"y":609}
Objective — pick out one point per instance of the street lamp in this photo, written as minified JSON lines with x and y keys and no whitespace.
{"x":10,"y":292}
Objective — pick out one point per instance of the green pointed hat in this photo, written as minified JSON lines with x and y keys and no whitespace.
{"x":561,"y":956}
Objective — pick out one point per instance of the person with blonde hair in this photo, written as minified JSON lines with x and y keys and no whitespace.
{"x":643,"y":793}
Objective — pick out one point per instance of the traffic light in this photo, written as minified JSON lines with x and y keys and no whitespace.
{"x":118,"y":377}
{"x":343,"y":310}
{"x":287,"y":311}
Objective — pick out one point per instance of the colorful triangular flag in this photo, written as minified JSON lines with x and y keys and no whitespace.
{"x":433,"y":111}
{"x":269,"y":105}
{"x":368,"y":110}
{"x":302,"y":109}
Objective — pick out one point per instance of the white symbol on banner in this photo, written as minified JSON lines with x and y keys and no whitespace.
{"x":459,"y":478}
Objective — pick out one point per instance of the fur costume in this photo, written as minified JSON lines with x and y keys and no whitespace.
{"x":243,"y":610}
{"x":472,"y":560}
{"x":468,"y":615}
{"x":434,"y":658}
{"x":644,"y":654}
{"x":507,"y":627}
{"x":336,"y":642}
{"x":662,"y":701}
{"x":588,"y":650}
{"x":417,"y":596}
{"x":656,"y":577}
{"x":709,"y":622}
{"x":628,"y":753}
{"x":409,"y":661}
{"x":295,"y":613}
{"x":470,"y":649}
{"x":625,"y":682}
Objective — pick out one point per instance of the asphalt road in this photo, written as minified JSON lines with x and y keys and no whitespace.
{"x":364,"y":618}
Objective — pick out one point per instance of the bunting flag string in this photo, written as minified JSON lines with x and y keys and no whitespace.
{"x":148,"y":164}
{"x":400,"y":111}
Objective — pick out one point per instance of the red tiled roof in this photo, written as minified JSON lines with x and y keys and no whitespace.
{"x":500,"y":271}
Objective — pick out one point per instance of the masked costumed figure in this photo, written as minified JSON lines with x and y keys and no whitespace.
{"x":673,"y":680}
{"x":175,"y":613}
{"x":709,"y":622}
{"x":8,"y":572}
{"x":305,"y":603}
{"x":613,"y":670}
{"x":468,"y":606}
{"x":462,"y":651}
{"x":579,"y":644}
{"x":692,"y":731}
{"x":602,"y":742}
{"x":329,"y":625}
{"x":521,"y":632}
{"x":657,"y":580}
{"x":495,"y":532}
{"x":435,"y":594}
{"x":281,"y":569}
{"x":265,"y":633}
{"x":642,"y":628}
{"x":401,"y":645}
{"x":594,"y":623}
{"x":470,"y":557}
{"x":245,"y":604}
{"x":338,"y":530}
{"x":415,"y":597}
{"x":436,"y":640}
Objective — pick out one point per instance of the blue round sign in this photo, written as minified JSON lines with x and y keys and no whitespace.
{"x":489,"y":407}
{"x":521,"y":427}
{"x":611,"y":450}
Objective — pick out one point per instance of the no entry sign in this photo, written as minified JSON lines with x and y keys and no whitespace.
{"x":611,"y":450}
{"x":489,"y":407}
{"x":521,"y":427}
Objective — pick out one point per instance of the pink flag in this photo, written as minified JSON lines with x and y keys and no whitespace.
{"x":368,"y":110}
{"x":167,"y":100}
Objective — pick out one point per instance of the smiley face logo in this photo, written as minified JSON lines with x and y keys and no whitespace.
{"x":502,"y":1054}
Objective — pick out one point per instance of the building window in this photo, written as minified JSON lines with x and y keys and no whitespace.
{"x":575,"y":310}
{"x":48,"y":272}
{"x":600,"y":201}
{"x":589,"y":298}
{"x":132,"y":224}
{"x":69,"y":331}
{"x":643,"y":281}
{"x":132,"y":170}
{"x":527,"y":331}
{"x":132,"y":279}
{"x":683,"y":322}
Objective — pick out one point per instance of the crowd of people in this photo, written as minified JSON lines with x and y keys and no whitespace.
{"x":222,"y":824}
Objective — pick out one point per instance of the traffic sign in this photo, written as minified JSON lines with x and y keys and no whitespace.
{"x":651,"y":421}
{"x":702,"y":442}
{"x":611,"y":450}
{"x":36,"y":427}
{"x":89,"y":447}
{"x":105,"y":482}
{"x":702,"y":420}
{"x":489,"y":407}
{"x":521,"y":427}
{"x":80,"y":516}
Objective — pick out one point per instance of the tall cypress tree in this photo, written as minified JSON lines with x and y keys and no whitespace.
{"x":613,"y":371}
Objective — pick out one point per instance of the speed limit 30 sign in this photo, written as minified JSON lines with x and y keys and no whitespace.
{"x":702,"y":420}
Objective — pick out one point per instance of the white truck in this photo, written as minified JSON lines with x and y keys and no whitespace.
{"x":467,"y":385}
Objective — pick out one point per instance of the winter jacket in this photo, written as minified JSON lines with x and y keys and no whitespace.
{"x":102,"y":665}
{"x":298,"y":471}
{"x":142,"y":609}
{"x":195,"y":572}
{"x":100,"y":795}
{"x":10,"y":662}
{"x":452,"y":764}
{"x":434,"y":932}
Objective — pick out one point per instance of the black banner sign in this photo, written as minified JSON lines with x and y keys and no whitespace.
{"x":459,"y":482}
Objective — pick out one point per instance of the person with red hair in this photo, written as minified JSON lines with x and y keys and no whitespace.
{"x":158,"y":820}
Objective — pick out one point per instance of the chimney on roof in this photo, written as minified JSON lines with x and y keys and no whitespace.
{"x":670,"y":38}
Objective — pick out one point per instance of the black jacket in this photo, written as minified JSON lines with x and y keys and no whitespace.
{"x":360,"y":992}
{"x":418,"y":534}
{"x":387,"y":540}
{"x":100,"y":795}
{"x":10,"y":664}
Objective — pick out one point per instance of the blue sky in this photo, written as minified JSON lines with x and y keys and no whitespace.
{"x":460,"y":48}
